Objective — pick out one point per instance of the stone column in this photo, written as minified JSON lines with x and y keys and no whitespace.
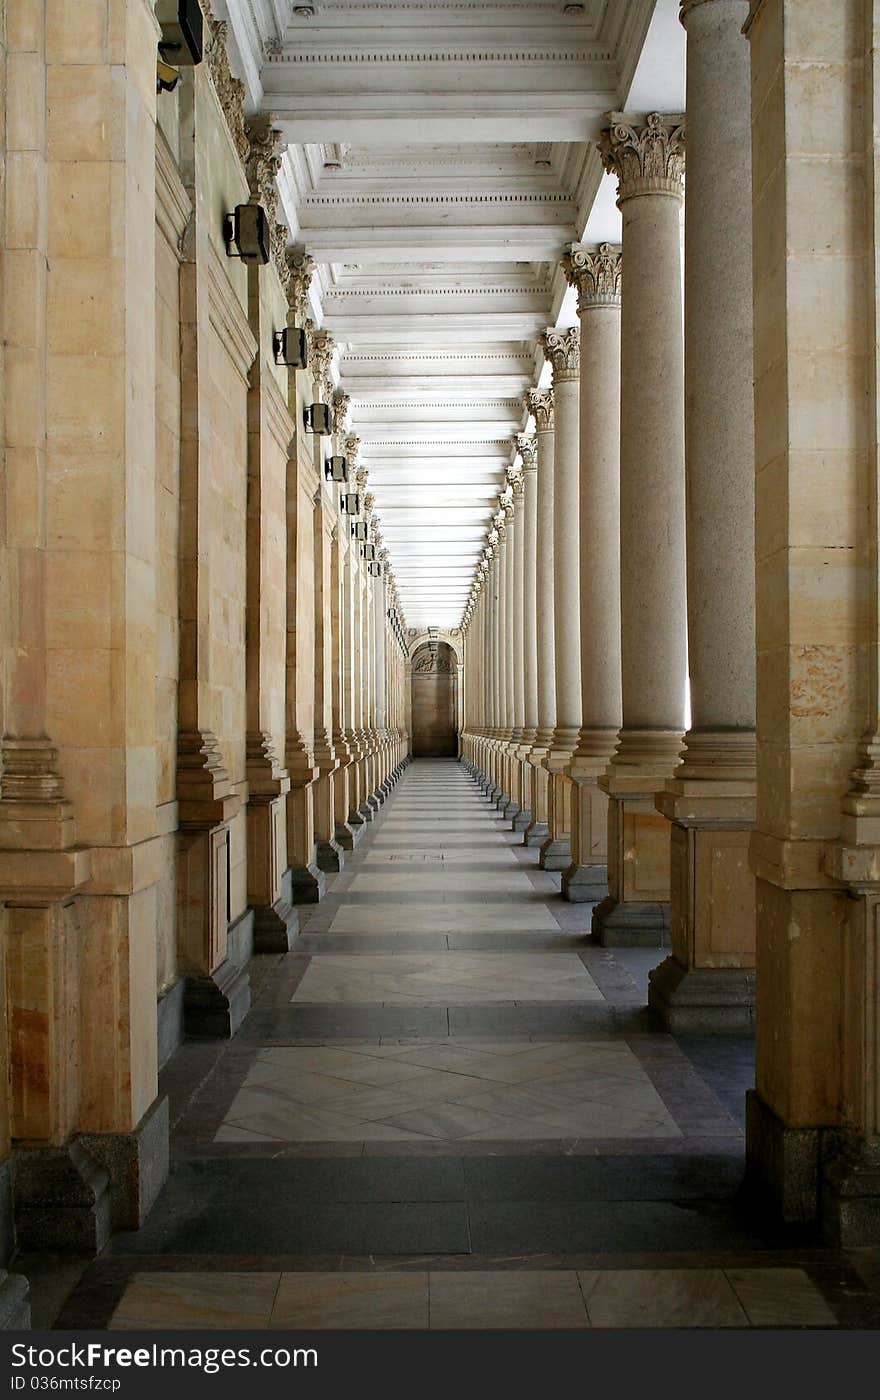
{"x":562,"y":349}
{"x":502,"y":796}
{"x":596,"y":274}
{"x":527,"y":449}
{"x":307,"y":881}
{"x":813,"y":1120}
{"x":511,"y":806}
{"x":707,"y":983}
{"x":540,"y":403}
{"x":647,"y":155}
{"x":521,"y":816}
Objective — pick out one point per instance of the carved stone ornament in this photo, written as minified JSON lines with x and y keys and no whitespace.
{"x":563,"y":350}
{"x":428,"y":663}
{"x":527,"y":448}
{"x":645,"y":153}
{"x":301,"y":266}
{"x":263,"y":163}
{"x":341,"y":405}
{"x":321,"y":351}
{"x":352,"y":448}
{"x":540,"y":403}
{"x":596,"y":274}
{"x":229,"y":90}
{"x":361,"y":477}
{"x":515,"y":480}
{"x":369,"y":502}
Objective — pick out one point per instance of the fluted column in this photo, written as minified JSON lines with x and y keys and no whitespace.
{"x":562,"y":349}
{"x":540,"y":403}
{"x":708,"y":982}
{"x":529,"y":662}
{"x":595,"y":272}
{"x":647,"y":155}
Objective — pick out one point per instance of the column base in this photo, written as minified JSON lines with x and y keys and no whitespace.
{"x":308,"y":884}
{"x":522,"y":821}
{"x":136,"y":1163}
{"x":849,"y":1193}
{"x":15,"y":1303}
{"x":585,"y":884}
{"x":62,"y":1200}
{"x":276,"y":925}
{"x":330,"y":856}
{"x":216,"y":1004}
{"x":618,"y":925}
{"x":365,"y":812}
{"x":509,"y":810}
{"x":782,"y":1163}
{"x":169,"y":1022}
{"x":555,"y":854}
{"x":702,"y":1000}
{"x":536,"y":833}
{"x":347,"y":836}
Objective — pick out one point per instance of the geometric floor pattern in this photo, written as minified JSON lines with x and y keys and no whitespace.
{"x":447,"y":1108}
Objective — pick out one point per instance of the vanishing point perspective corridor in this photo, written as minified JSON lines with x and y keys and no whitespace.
{"x":447,"y":1109}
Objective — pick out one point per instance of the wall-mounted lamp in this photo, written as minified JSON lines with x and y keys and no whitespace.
{"x":318,"y":419}
{"x":374,"y":569}
{"x":167,"y":77}
{"x":291,"y":347}
{"x":350,"y":502}
{"x":368,"y":552}
{"x":336,"y":468}
{"x":182,"y":24}
{"x":247,"y":233}
{"x":359,"y":530}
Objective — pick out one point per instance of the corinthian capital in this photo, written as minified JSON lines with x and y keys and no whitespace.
{"x":528,"y":451}
{"x":302,"y":268}
{"x":646,"y":153}
{"x":352,"y":448}
{"x":341,"y":405}
{"x":595,"y":271}
{"x":563,"y":350}
{"x":540,"y":403}
{"x":323,"y":347}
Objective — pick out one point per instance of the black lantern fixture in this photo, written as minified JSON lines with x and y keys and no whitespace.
{"x":350,"y":502}
{"x":336,"y":468}
{"x":374,"y":569}
{"x":368,"y":552}
{"x":182,"y":24}
{"x":359,"y":529}
{"x":291,"y":347}
{"x":247,"y":234}
{"x":318,"y":419}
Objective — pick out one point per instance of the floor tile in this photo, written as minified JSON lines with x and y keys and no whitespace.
{"x":661,"y":1298}
{"x":780,"y":1298}
{"x":179,"y":1301}
{"x":352,"y":1301}
{"x":514,"y":1299}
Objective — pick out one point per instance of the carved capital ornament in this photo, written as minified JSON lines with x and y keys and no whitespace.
{"x":595,"y":272}
{"x":646,"y":153}
{"x":563,"y":350}
{"x":539,"y":402}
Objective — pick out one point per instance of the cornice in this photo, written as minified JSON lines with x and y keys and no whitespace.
{"x":337,"y":292}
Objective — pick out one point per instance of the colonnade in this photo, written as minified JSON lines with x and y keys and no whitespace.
{"x":205,"y":662}
{"x":699,"y":580}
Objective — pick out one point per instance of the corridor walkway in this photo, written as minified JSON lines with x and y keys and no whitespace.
{"x":448,"y":1109}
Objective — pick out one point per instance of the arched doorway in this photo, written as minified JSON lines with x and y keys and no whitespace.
{"x":434,"y":702}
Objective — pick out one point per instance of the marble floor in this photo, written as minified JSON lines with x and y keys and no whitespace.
{"x":448,"y":1109}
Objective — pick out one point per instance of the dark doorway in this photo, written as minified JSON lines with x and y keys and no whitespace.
{"x":434,"y":702}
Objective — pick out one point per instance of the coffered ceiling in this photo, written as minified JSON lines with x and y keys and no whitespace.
{"x":440,"y":157}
